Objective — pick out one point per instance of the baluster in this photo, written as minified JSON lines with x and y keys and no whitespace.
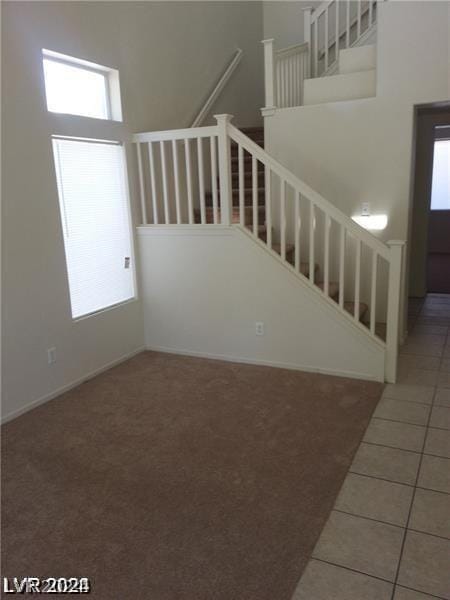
{"x":357,"y":278}
{"x":283,"y":218}
{"x":286,"y":83}
{"x":316,"y":48}
{"x":342,"y":267}
{"x":241,"y":185}
{"x":292,"y":78}
{"x":212,"y":144}
{"x":304,"y":76}
{"x":300,"y":78}
{"x":176,"y":180}
{"x":347,"y":27}
{"x":307,"y":37}
{"x":281,"y":98}
{"x":373,"y":290}
{"x":326,"y":269}
{"x":141,"y":185}
{"x":201,"y":179}
{"x":297,"y":225}
{"x":153,"y":183}
{"x":187,"y":148}
{"x":164,"y":182}
{"x":358,"y":23}
{"x":269,"y":72}
{"x":289,"y":80}
{"x":278,"y":80}
{"x":311,"y":242}
{"x":326,"y":39}
{"x":268,"y":192}
{"x":393,"y":309}
{"x":255,"y":195}
{"x":336,"y":45}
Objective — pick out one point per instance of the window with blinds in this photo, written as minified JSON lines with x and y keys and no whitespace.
{"x":96,"y":223}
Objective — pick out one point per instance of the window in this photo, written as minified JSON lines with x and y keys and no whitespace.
{"x":78,"y":87}
{"x":440,"y":187}
{"x":96,"y":223}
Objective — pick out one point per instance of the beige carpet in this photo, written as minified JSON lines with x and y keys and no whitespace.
{"x":174,"y":478}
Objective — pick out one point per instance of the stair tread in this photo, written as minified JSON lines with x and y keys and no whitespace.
{"x":349,"y":306}
{"x":333,"y":287}
{"x":277,"y":248}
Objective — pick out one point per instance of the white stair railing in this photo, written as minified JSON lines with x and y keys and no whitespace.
{"x":291,"y":220}
{"x":285,"y":73}
{"x":332,"y":26}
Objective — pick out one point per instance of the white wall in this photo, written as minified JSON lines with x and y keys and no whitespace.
{"x":168,"y":55}
{"x":360,"y":151}
{"x":284,"y":21}
{"x":203,"y":291}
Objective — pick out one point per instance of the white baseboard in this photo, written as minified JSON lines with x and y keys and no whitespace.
{"x":265,"y":363}
{"x":69,"y":386}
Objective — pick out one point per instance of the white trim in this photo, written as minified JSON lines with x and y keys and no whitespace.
{"x":182,"y":230}
{"x":176,"y":134}
{"x":70,"y":386}
{"x":264,"y":363}
{"x":268,"y":111}
{"x":295,"y":49}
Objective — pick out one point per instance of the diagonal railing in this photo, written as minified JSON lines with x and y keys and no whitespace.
{"x":219,"y":176}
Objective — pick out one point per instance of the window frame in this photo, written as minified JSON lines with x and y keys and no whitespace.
{"x":129,"y":229}
{"x":110,"y":78}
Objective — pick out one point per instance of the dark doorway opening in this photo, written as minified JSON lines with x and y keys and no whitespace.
{"x":429,"y":239}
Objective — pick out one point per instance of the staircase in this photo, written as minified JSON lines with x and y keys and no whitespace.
{"x":256,"y":134}
{"x":222,"y":177}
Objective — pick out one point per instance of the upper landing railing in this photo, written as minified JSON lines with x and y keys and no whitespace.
{"x":332,"y":26}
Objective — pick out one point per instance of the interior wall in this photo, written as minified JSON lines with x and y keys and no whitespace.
{"x":169,"y":55}
{"x":284,"y":21}
{"x":360,"y":151}
{"x":426,"y":120}
{"x":204,"y":290}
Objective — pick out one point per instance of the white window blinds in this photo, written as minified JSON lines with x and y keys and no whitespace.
{"x":96,"y":223}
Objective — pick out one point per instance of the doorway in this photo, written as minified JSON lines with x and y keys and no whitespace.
{"x":429,"y":237}
{"x":438,"y":259}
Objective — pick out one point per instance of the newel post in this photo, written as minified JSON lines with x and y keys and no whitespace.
{"x":269,"y":77}
{"x":393,"y":309}
{"x":307,"y":12}
{"x":226,"y":201}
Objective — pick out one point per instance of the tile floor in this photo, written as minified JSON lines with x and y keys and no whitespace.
{"x":388,"y":536}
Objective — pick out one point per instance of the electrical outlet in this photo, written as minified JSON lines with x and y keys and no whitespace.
{"x":259,"y":328}
{"x":365,"y":209}
{"x":51,"y":355}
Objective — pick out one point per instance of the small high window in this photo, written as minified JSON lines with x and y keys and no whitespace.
{"x":78,"y":87}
